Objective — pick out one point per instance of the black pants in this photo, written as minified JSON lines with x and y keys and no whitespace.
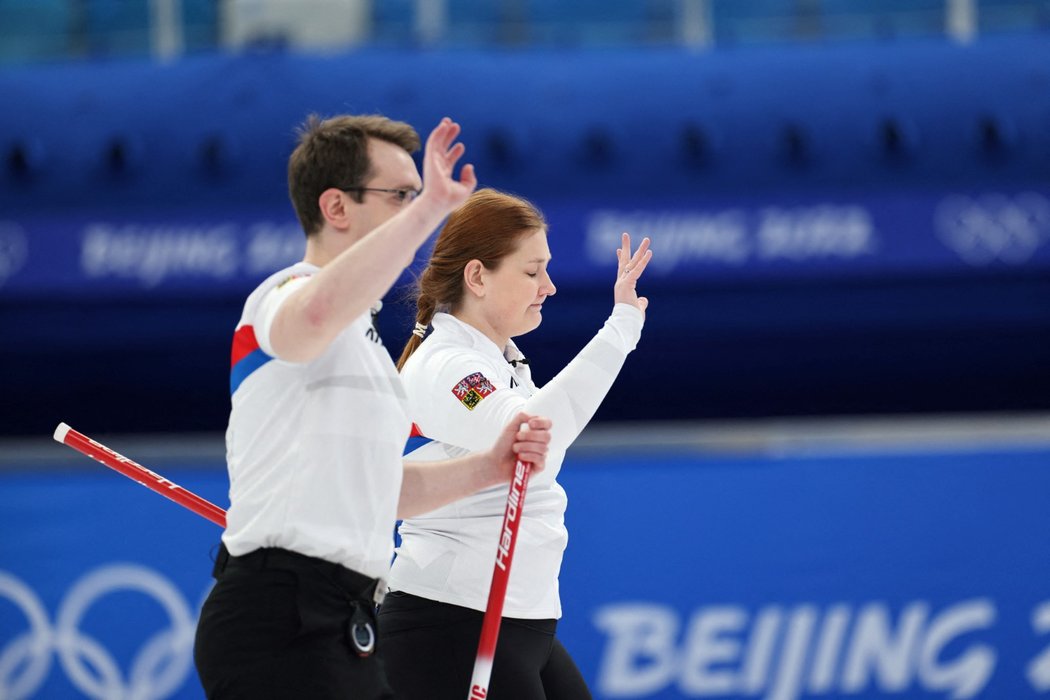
{"x":277,"y":625}
{"x":429,"y":650}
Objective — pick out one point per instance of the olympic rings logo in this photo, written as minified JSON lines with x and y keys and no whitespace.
{"x":994,"y":227}
{"x":157,"y":670}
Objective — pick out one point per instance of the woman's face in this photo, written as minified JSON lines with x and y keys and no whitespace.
{"x":516,"y":289}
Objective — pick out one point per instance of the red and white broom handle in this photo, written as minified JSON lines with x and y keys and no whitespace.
{"x":137,"y":472}
{"x":479,"y":681}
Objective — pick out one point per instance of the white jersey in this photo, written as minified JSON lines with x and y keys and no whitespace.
{"x":463,"y":390}
{"x":313,"y":449}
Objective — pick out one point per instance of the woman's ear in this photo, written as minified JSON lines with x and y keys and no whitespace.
{"x":474,"y":278}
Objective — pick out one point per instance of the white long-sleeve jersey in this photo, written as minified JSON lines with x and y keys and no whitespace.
{"x":462,"y":390}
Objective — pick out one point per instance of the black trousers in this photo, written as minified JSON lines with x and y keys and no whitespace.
{"x":281,"y":625}
{"x":429,"y":649}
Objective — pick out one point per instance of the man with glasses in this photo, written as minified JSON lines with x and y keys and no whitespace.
{"x":318,"y":424}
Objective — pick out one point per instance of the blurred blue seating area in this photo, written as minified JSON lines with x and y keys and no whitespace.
{"x":49,"y":30}
{"x":57,"y":30}
{"x":36,"y":29}
{"x":849,"y":201}
{"x":839,"y":228}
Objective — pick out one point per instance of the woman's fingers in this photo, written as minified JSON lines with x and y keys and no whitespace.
{"x":532,"y":440}
{"x":640,"y":253}
{"x":625,"y":260}
{"x":638,"y":265}
{"x":623,"y":253}
{"x":632,"y":266}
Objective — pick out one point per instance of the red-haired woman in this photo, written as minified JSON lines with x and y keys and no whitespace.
{"x":485,"y":284}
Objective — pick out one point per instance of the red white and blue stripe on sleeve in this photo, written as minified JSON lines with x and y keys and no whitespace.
{"x":416,"y":439}
{"x":245,"y":357}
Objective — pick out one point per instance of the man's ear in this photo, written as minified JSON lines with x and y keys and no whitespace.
{"x":474,"y":278}
{"x":334,"y":208}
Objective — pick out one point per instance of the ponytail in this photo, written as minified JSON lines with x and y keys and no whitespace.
{"x":425,"y":305}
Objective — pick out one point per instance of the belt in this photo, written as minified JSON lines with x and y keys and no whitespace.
{"x":359,"y":585}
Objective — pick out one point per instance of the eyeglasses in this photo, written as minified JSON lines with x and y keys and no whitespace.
{"x":402,"y":195}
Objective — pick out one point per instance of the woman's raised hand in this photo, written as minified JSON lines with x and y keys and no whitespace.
{"x":628,"y":269}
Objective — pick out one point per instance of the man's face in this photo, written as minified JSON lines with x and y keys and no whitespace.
{"x":392,"y":168}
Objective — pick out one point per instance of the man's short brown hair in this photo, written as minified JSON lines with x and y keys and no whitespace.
{"x":334,"y":153}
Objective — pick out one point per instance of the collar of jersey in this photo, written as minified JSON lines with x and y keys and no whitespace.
{"x":447,"y":323}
